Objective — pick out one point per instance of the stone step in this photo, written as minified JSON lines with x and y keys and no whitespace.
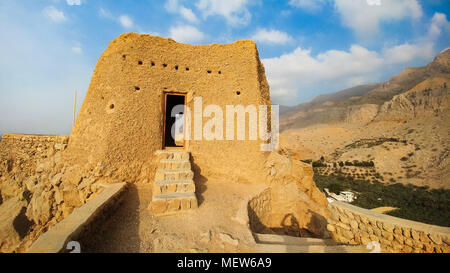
{"x":164,"y":174}
{"x":174,"y":164}
{"x":172,"y":154}
{"x":170,"y":203}
{"x":291,"y":240}
{"x":281,"y":248}
{"x":173,"y":186}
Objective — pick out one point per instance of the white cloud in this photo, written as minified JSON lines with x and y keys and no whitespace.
{"x":54,"y":14}
{"x":438,"y":25}
{"x":299,"y":71}
{"x":126,"y":21}
{"x":188,"y":14}
{"x":234,"y":11}
{"x":374,"y":2}
{"x":186,"y":34}
{"x":73,"y":2}
{"x":407,"y":52}
{"x":105,"y":13}
{"x":365,"y":19}
{"x":271,"y":36}
{"x":173,"y":6}
{"x":308,"y":5}
{"x":423,"y":48}
{"x":77,"y":50}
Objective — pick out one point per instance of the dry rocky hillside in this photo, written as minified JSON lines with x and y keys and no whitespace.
{"x":397,"y":131}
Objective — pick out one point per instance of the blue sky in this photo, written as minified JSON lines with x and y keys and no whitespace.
{"x":49,"y":48}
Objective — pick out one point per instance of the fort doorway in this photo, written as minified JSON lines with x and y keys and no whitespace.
{"x":174,"y":119}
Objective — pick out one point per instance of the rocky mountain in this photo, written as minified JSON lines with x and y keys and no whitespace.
{"x":324,"y":108}
{"x":428,"y":98}
{"x":364,"y":100}
{"x":396,"y":131}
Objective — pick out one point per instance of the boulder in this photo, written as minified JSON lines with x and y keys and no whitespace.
{"x":10,"y":188}
{"x":31,"y":183}
{"x":290,"y":204}
{"x":71,"y":198}
{"x":13,"y":223}
{"x":56,"y":180}
{"x":39,"y":209}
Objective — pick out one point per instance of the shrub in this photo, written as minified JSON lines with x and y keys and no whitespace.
{"x":335,"y":188}
{"x":318,"y":164}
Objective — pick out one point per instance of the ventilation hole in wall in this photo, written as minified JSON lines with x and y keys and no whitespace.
{"x":209,"y":71}
{"x":111,"y":106}
{"x":137,"y":88}
{"x":153,"y":63}
{"x":238,"y":93}
{"x":164,"y":65}
{"x":176,"y":67}
{"x":139,"y":62}
{"x":187,"y":68}
{"x":220,"y":72}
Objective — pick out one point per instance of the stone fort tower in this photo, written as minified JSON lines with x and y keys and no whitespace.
{"x":124,"y":116}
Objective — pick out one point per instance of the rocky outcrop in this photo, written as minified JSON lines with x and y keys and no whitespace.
{"x":292,"y":205}
{"x":13,"y":223}
{"x":409,"y":78}
{"x":361,"y":114}
{"x":37,"y":187}
{"x":429,"y":98}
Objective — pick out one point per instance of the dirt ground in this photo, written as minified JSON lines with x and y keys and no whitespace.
{"x":218,"y":225}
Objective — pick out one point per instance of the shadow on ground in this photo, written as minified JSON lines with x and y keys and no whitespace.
{"x":118,"y":231}
{"x":200,"y":182}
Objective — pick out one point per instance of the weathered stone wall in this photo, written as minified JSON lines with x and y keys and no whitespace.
{"x":25,"y":153}
{"x":35,"y":188}
{"x":353,"y":225}
{"x":259,"y":211}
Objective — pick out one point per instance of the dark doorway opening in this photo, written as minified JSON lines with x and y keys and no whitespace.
{"x":174,"y":120}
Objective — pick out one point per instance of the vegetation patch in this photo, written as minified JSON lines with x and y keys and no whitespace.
{"x":413,"y":203}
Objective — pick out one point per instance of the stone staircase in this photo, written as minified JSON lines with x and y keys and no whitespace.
{"x":270,"y":243}
{"x":173,"y":187}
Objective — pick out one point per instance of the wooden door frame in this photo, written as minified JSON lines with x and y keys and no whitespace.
{"x":173,"y":93}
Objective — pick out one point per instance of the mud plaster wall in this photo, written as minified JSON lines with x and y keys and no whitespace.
{"x":120,"y":123}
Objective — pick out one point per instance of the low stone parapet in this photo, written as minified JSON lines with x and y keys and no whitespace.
{"x":353,"y":225}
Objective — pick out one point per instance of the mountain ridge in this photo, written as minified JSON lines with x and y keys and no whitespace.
{"x":334,"y":107}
